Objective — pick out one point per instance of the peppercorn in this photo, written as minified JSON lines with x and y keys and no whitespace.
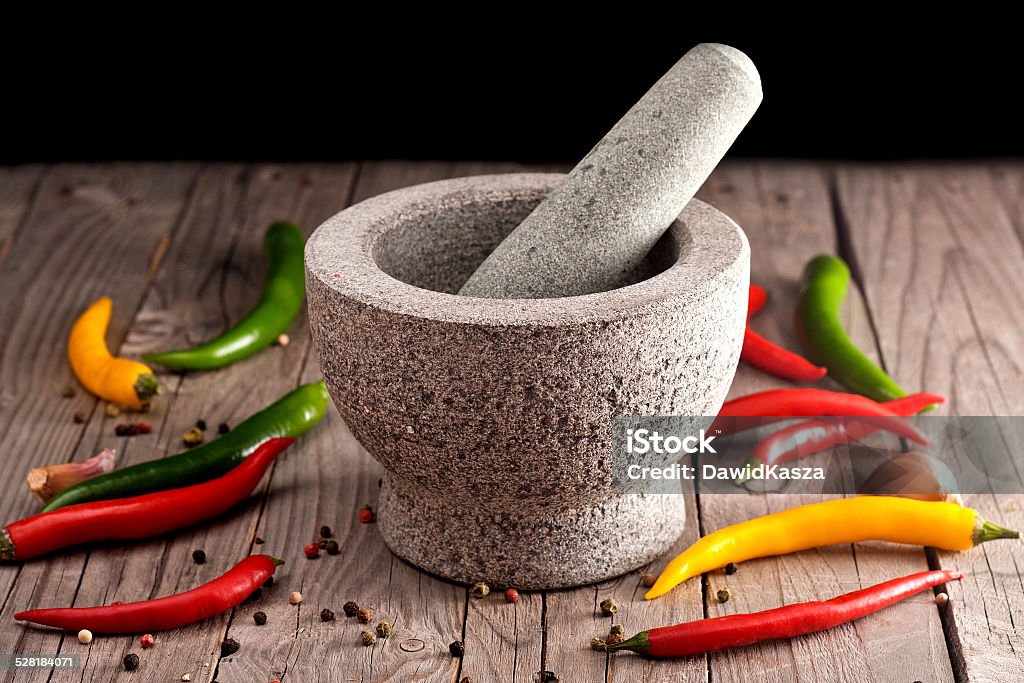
{"x":223,"y":428}
{"x":511,"y":595}
{"x":78,"y":418}
{"x":350,"y":608}
{"x":332,"y":548}
{"x":326,"y":615}
{"x":368,"y":638}
{"x":648,"y":579}
{"x":260,"y":618}
{"x":143,"y":428}
{"x":201,"y":425}
{"x":125,"y":430}
{"x":258,"y":541}
{"x":325,"y":531}
{"x":730,"y":568}
{"x":283,"y":340}
{"x":597,"y":644}
{"x":228,"y":647}
{"x":614,"y":639}
{"x":311,"y":551}
{"x":457,"y":648}
{"x":294,"y":598}
{"x":192,"y":437}
{"x":609,"y":607}
{"x":85,"y":636}
{"x":364,"y":615}
{"x":130,"y":661}
{"x":147,"y":641}
{"x":113,"y":410}
{"x":618,"y":629}
{"x":67,"y":392}
{"x":199,"y":556}
{"x":941,"y":599}
{"x":480,"y":590}
{"x":724,"y":595}
{"x":366,"y":514}
{"x":186,"y":677}
{"x":321,"y":543}
{"x":384,"y":629}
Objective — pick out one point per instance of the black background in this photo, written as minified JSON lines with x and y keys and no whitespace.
{"x":352,"y":91}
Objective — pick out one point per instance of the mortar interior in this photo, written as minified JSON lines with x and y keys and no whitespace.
{"x":438,"y":248}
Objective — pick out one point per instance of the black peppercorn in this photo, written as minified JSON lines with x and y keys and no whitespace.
{"x":199,"y":557}
{"x":201,"y":424}
{"x":130,"y":661}
{"x":350,"y":608}
{"x":730,"y":568}
{"x":325,"y":531}
{"x":260,"y":618}
{"x":223,"y":428}
{"x":258,"y":541}
{"x":228,"y":647}
{"x":457,"y":648}
{"x":326,"y":615}
{"x":332,"y":548}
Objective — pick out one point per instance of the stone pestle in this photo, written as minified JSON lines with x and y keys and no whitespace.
{"x":595,"y":227}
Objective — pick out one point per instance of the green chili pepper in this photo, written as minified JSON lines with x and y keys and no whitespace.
{"x":280,"y":302}
{"x":817,"y":318}
{"x":291,"y":416}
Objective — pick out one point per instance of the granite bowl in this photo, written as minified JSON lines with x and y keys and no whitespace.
{"x":492,"y":416}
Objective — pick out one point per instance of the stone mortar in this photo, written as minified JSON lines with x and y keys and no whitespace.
{"x":492,"y":415}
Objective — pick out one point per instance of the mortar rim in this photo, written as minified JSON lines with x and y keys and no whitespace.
{"x":355,"y":231}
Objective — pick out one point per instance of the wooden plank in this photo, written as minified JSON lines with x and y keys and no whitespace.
{"x":65,"y":252}
{"x":18,"y":186}
{"x":786,"y":212}
{"x":936,"y":248}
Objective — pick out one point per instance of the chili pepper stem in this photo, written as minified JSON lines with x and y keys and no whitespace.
{"x":988,"y":531}
{"x":637,"y":643}
{"x":6,"y":546}
{"x":276,"y":560}
{"x":147,"y":386}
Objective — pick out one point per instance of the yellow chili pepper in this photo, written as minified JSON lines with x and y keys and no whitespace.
{"x":845,"y":520}
{"x":125,"y":382}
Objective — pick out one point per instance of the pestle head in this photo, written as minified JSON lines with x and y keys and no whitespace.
{"x":595,"y":228}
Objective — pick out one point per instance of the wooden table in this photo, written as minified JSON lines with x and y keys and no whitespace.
{"x":937,"y":252}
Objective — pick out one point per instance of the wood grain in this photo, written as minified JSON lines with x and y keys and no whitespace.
{"x":939,"y":251}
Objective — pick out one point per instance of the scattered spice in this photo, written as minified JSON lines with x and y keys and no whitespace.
{"x":941,"y":599}
{"x":597,"y":644}
{"x":332,"y":548}
{"x":294,"y":598}
{"x":144,"y":427}
{"x":350,"y":608}
{"x":321,"y":543}
{"x":67,"y":392}
{"x":457,"y":648}
{"x":325,"y":531}
{"x":609,"y":607}
{"x":511,"y":595}
{"x":126,"y":430}
{"x":384,"y":629}
{"x":260,"y":618}
{"x":147,"y":641}
{"x":283,"y":340}
{"x":326,"y":615}
{"x":201,"y":424}
{"x":85,"y":636}
{"x":78,"y":418}
{"x":364,"y":615}
{"x":648,"y":579}
{"x":199,"y":556}
{"x":258,"y":541}
{"x":311,"y":551}
{"x":130,"y":661}
{"x":617,"y":628}
{"x":480,"y":590}
{"x":368,"y":638}
{"x":724,"y":594}
{"x":614,"y":639}
{"x":366,"y":514}
{"x":228,"y":647}
{"x":112,"y":410}
{"x":186,"y":677}
{"x":730,"y":568}
{"x":193,"y":437}
{"x":223,"y":428}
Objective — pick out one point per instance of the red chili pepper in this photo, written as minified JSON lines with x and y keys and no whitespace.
{"x":142,"y":516}
{"x":776,"y":405}
{"x":200,"y":603}
{"x":773,"y":359}
{"x":813,"y":436}
{"x":311,"y":551}
{"x":734,"y":630}
{"x":366,"y":514}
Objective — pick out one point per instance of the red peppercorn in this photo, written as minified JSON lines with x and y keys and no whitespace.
{"x":312,"y":550}
{"x":147,"y":641}
{"x":366,"y":514}
{"x":144,"y":428}
{"x":511,"y":595}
